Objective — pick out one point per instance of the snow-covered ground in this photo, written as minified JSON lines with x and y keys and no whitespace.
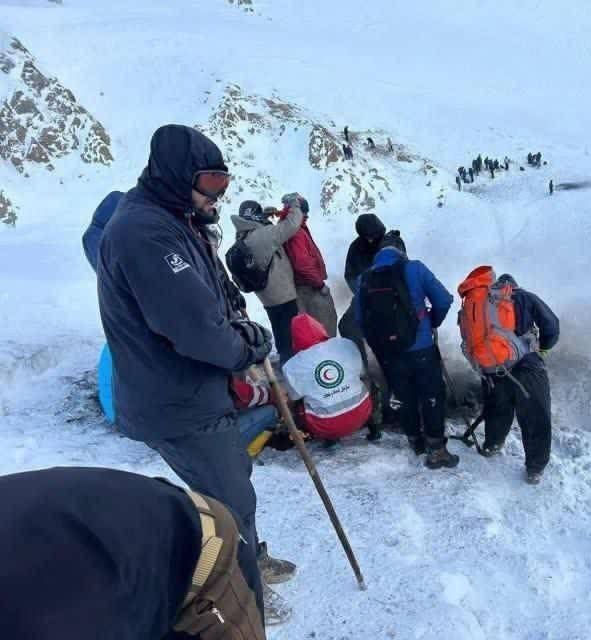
{"x":469,"y":554}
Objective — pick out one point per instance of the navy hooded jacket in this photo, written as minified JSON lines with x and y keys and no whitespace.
{"x":94,"y":553}
{"x":92,"y":236}
{"x":162,"y":305}
{"x":530,"y":312}
{"x":421,"y":284}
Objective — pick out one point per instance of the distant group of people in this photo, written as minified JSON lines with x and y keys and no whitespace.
{"x":534,"y":159}
{"x":128,"y":556}
{"x":371,"y":145}
{"x":479,"y":165}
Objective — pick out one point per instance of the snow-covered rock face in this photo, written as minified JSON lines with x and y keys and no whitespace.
{"x":7,"y":209}
{"x":246,"y":5}
{"x":40,"y":119}
{"x":252,"y":129}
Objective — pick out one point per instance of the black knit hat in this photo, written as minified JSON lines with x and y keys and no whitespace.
{"x":507,"y":278}
{"x":252,"y":210}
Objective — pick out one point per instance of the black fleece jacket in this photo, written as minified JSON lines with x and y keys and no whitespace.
{"x":163,"y":307}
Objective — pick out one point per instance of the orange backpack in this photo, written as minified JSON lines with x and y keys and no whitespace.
{"x":487,"y":324}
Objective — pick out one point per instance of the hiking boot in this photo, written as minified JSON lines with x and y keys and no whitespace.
{"x":273,"y":570}
{"x":277,"y":611}
{"x":417,"y":445}
{"x":533,"y":477}
{"x":441,"y":457}
{"x":489,"y":450}
{"x":375,"y":433}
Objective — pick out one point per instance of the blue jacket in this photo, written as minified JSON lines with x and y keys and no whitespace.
{"x":422,"y":284}
{"x":92,"y":236}
{"x":162,"y":304}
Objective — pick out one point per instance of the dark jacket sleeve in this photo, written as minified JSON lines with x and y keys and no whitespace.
{"x":91,"y":241}
{"x":545,"y":319}
{"x":92,"y":236}
{"x":358,"y":301}
{"x":182,"y":306}
{"x":350,"y":275}
{"x":439,"y":297}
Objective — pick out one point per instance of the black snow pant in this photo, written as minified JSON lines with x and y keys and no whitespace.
{"x":280,"y":317}
{"x":503,"y":399}
{"x":348,"y":329}
{"x":415,"y":379}
{"x":213,"y":461}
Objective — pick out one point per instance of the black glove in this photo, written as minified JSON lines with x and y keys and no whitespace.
{"x":258,"y":339}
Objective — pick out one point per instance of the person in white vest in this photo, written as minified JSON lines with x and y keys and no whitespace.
{"x":325,"y":377}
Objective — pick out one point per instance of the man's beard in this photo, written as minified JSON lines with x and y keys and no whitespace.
{"x":206,"y":217}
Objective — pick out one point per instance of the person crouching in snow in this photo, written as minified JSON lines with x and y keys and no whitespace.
{"x":325,"y":375}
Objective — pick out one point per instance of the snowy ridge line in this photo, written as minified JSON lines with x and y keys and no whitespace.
{"x":248,"y":126}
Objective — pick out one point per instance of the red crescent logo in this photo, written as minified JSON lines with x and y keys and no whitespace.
{"x":326,"y":375}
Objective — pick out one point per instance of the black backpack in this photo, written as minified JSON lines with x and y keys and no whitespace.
{"x":246,"y":273}
{"x":389,"y":318}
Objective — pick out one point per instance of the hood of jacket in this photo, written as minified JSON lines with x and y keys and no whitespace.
{"x":387,"y":257}
{"x":242,"y":225}
{"x":177,"y":152}
{"x":369,"y":226}
{"x":306,"y":332}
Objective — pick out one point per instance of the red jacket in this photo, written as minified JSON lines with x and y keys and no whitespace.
{"x":306,"y":260}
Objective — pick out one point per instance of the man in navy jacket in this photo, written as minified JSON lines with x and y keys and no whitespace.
{"x":527,"y":393}
{"x":414,"y":376}
{"x":168,"y":322}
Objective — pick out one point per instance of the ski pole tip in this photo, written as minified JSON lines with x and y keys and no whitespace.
{"x":362,"y":585}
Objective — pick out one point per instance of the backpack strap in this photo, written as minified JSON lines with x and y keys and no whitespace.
{"x":210,"y":543}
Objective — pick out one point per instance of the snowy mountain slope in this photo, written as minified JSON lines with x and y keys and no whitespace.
{"x":469,"y":554}
{"x":251,"y":127}
{"x":40,"y":122}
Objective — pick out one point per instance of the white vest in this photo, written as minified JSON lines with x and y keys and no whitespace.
{"x":327,"y":377}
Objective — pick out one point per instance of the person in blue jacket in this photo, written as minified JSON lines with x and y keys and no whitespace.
{"x":415,"y":376}
{"x":168,"y":322}
{"x":92,"y":236}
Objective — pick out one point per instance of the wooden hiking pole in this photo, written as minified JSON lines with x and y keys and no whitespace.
{"x":301,"y":447}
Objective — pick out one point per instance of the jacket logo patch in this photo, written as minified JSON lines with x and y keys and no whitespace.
{"x":176,"y":263}
{"x":329,"y":374}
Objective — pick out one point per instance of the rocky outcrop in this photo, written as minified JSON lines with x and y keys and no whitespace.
{"x":40,"y":119}
{"x":245,"y":5}
{"x":249,"y":127}
{"x":7,"y":210}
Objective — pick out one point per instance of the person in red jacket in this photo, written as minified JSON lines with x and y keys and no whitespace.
{"x":325,"y":379}
{"x":313,"y":296}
